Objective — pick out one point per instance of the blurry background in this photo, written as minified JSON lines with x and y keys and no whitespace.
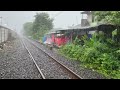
{"x":62,"y":19}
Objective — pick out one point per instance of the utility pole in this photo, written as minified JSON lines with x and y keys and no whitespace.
{"x":76,"y":20}
{"x":1,"y":20}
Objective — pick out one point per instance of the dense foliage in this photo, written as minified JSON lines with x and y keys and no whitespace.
{"x":28,"y":28}
{"x":103,"y":57}
{"x":42,"y":24}
{"x":99,"y":53}
{"x":112,"y":17}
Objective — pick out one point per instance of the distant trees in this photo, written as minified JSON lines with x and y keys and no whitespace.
{"x":42,"y":24}
{"x":28,"y":28}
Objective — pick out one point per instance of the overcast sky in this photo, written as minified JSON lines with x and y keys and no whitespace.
{"x":16,"y":19}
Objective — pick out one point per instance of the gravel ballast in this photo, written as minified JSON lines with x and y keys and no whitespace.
{"x":50,"y":68}
{"x":15,"y":62}
{"x":72,"y":64}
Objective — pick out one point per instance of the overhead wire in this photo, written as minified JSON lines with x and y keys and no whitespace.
{"x":57,"y":14}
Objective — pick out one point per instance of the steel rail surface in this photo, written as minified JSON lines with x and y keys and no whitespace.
{"x":76,"y":75}
{"x":33,"y":60}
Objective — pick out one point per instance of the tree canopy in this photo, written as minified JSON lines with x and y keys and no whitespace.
{"x":42,"y":24}
{"x":28,"y":28}
{"x":112,"y":17}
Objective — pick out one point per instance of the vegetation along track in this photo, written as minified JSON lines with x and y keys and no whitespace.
{"x":69,"y":71}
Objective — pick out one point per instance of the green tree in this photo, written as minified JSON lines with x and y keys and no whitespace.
{"x":28,"y":28}
{"x":111,"y":17}
{"x":41,"y":25}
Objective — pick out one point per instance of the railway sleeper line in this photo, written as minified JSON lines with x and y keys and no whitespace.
{"x":42,"y":75}
{"x":75,"y":76}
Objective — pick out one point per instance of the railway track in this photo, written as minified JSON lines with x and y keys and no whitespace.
{"x":42,"y":75}
{"x":69,"y":71}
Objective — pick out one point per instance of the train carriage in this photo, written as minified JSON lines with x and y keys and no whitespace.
{"x":6,"y":34}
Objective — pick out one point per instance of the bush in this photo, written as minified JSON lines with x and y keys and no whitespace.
{"x":96,"y":53}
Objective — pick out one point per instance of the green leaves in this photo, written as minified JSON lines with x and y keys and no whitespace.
{"x":42,"y":21}
{"x":94,"y":54}
{"x":100,"y":53}
{"x":118,"y":51}
{"x":42,"y":24}
{"x":39,"y":26}
{"x":28,"y":28}
{"x":112,"y":17}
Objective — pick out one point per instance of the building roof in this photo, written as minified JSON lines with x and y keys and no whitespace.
{"x":76,"y":26}
{"x":5,"y":27}
{"x":86,"y":28}
{"x":86,"y":12}
{"x":54,"y":30}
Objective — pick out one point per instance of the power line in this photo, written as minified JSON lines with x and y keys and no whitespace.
{"x":58,"y":14}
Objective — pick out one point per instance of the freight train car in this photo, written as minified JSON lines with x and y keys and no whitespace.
{"x":6,"y":34}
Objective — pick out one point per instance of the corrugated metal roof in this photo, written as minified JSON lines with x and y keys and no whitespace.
{"x":6,"y":27}
{"x":86,"y":28}
{"x":86,"y":12}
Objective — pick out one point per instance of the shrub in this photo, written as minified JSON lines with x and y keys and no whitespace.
{"x":96,"y":53}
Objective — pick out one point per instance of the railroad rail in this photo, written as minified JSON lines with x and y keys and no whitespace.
{"x":42,"y":75}
{"x":76,"y":76}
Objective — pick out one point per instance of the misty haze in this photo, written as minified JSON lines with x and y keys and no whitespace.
{"x":59,"y":45}
{"x":65,"y":19}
